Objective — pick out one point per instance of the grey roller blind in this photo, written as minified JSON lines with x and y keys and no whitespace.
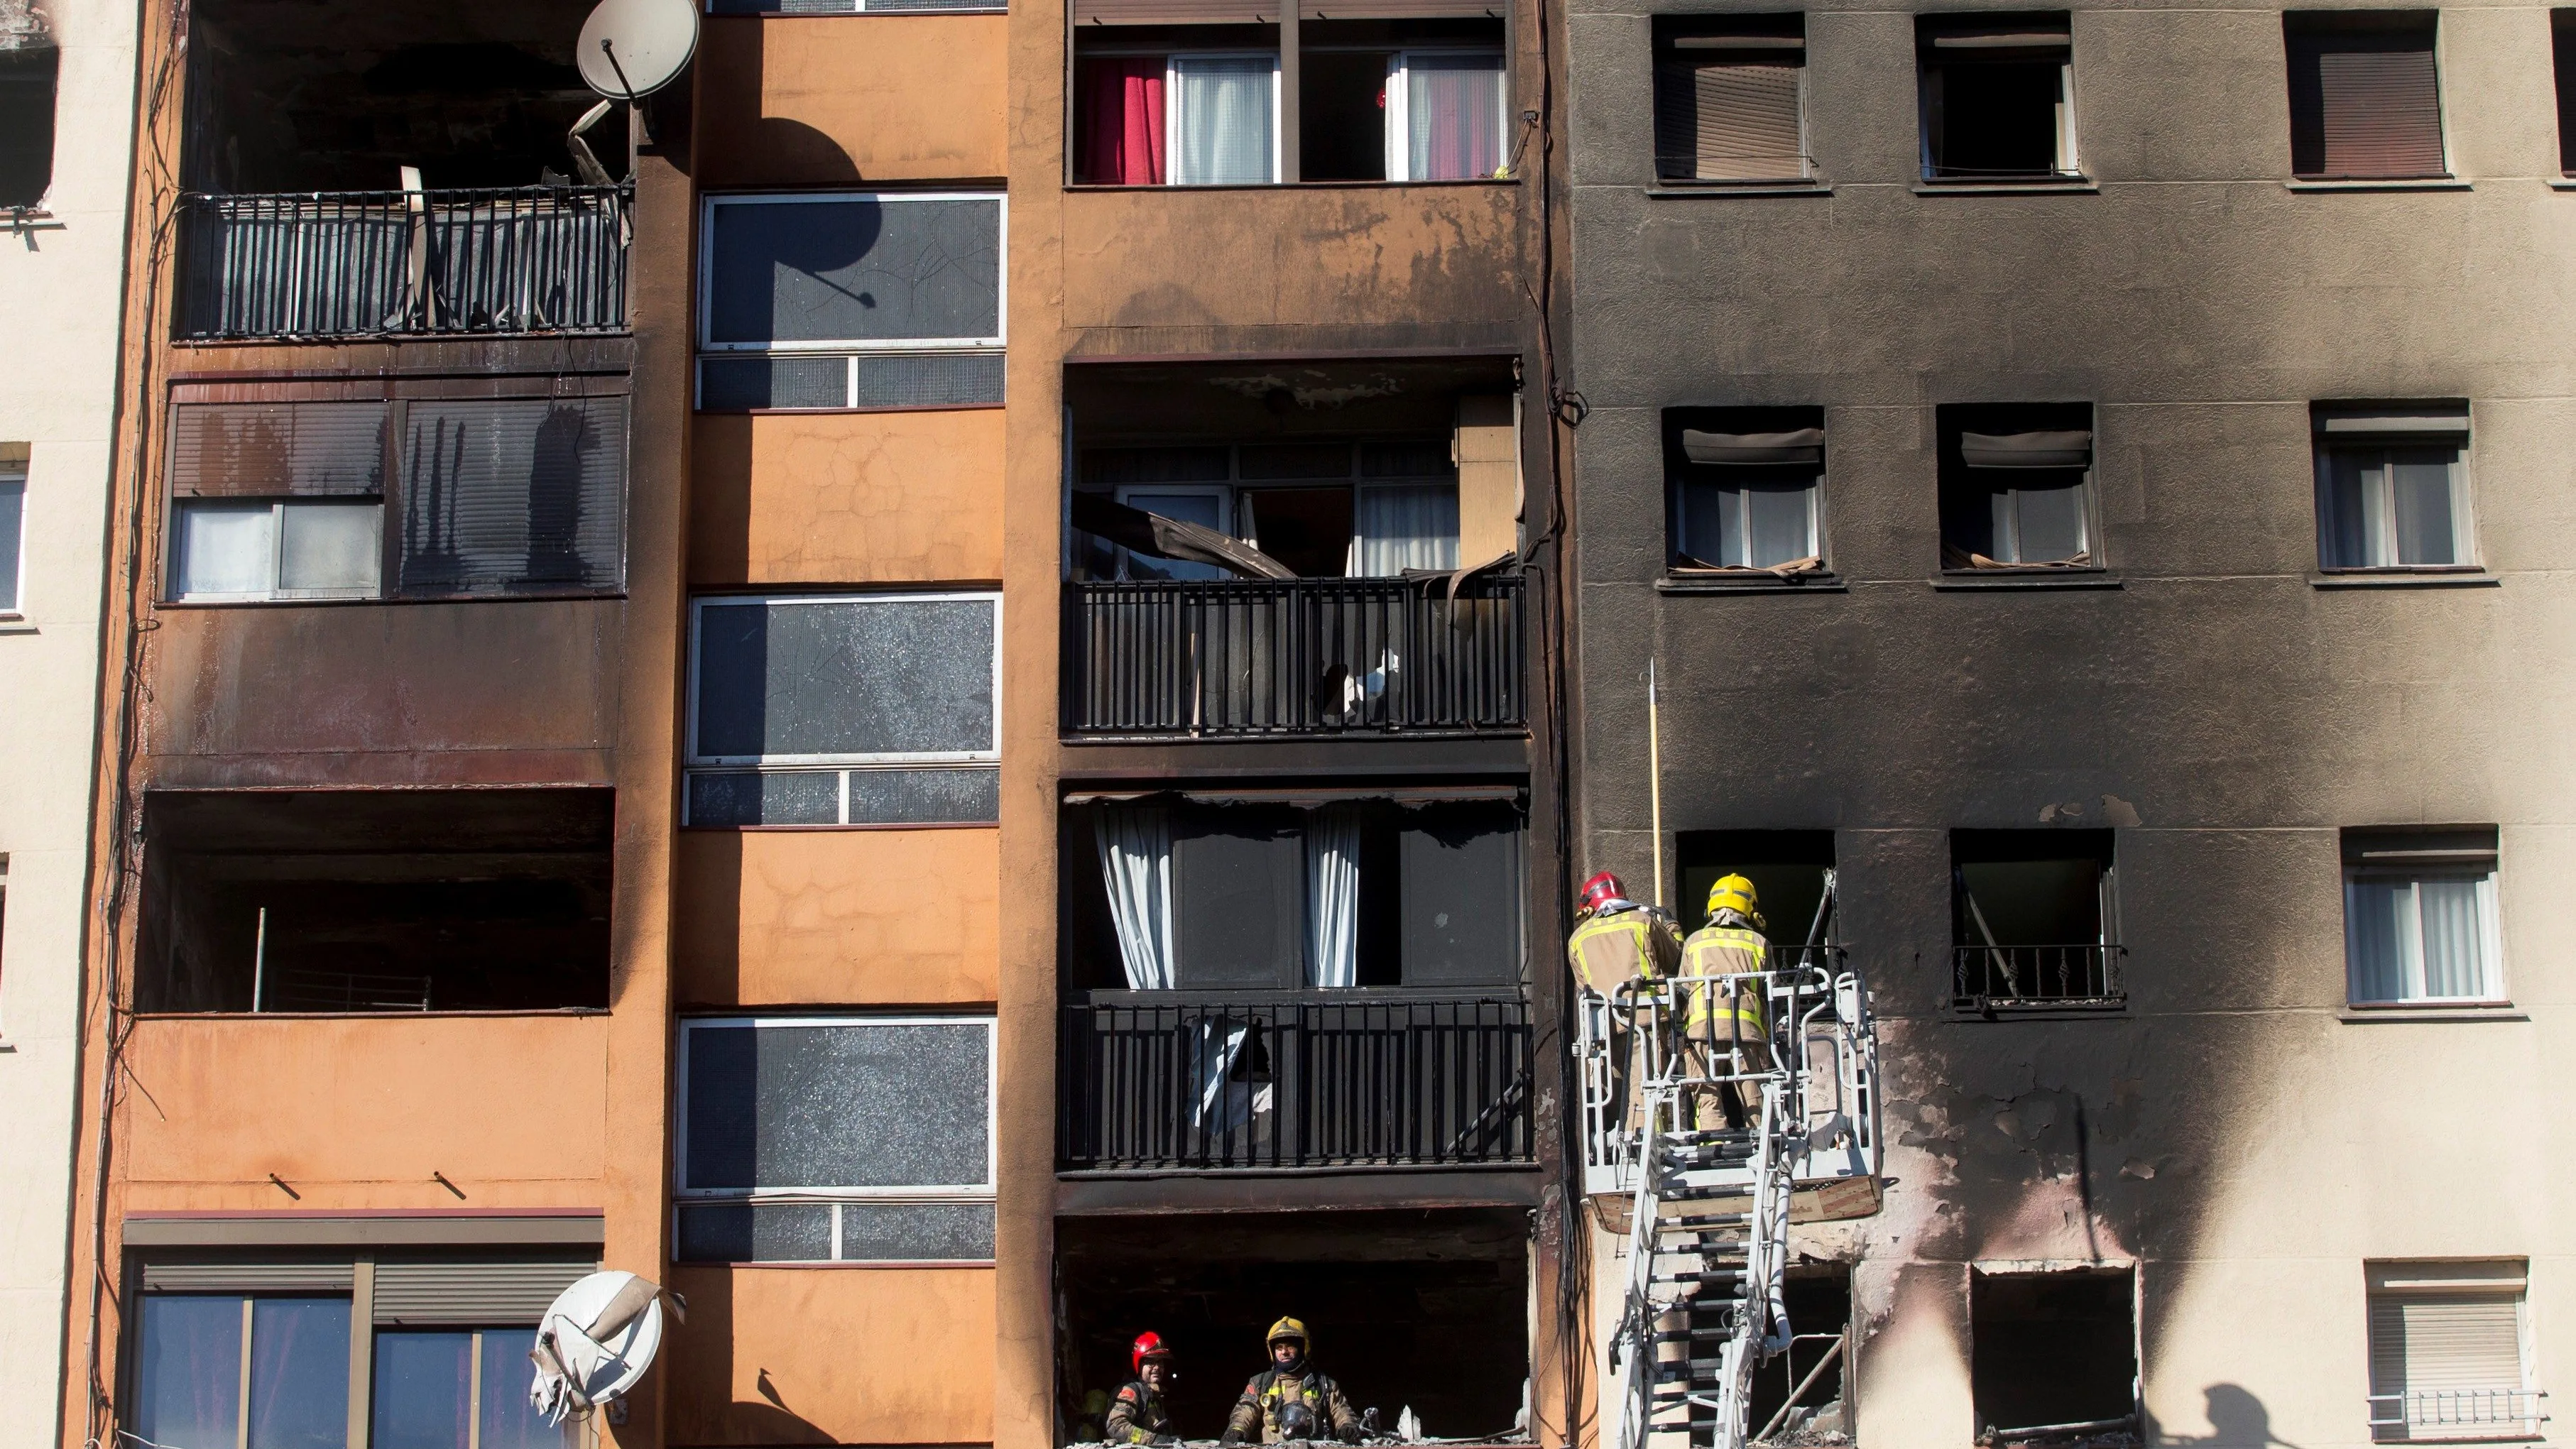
{"x":838,"y":1105}
{"x":2365,"y":104}
{"x":493,"y":1294}
{"x":856,"y":269}
{"x":2072,"y":448}
{"x":247,"y":1277}
{"x":250,"y":449}
{"x":1728,"y":116}
{"x":513,"y":495}
{"x":1461,"y":894}
{"x":1802,"y":445}
{"x":2419,"y":421}
{"x":2423,"y":1342}
{"x":845,"y":678}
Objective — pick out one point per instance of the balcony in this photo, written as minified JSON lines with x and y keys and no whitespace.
{"x":1191,"y":659}
{"x":1153,"y":1081}
{"x":494,"y":262}
{"x":1988,"y":979}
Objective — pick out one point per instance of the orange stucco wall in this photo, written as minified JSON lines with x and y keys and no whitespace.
{"x":833,"y":1356}
{"x":824,"y":100}
{"x":847,"y":497}
{"x":357,"y":1113}
{"x":838,"y":917}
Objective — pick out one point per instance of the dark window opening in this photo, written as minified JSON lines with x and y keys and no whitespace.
{"x":1342,"y":101}
{"x":2033,"y":918}
{"x":2365,"y":95}
{"x":2562,"y":55}
{"x":2016,"y":486}
{"x":1369,"y":508}
{"x":1728,"y":98}
{"x":376,"y":901}
{"x":2052,"y":1355}
{"x":1808,"y":1380}
{"x":1744,"y":490}
{"x":1998,"y":98}
{"x":1426,"y":1309}
{"x":1787,"y":868}
{"x":29,"y":75}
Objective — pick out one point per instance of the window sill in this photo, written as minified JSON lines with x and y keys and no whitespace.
{"x":828,"y":412}
{"x":2562,"y":183}
{"x":859,"y":825}
{"x":16,"y":624}
{"x":1112,"y":186}
{"x":34,"y":218}
{"x":2393,"y":183}
{"x":2069,"y":186}
{"x":1981,"y":579}
{"x":405,"y":600}
{"x":540,"y":1011}
{"x":2406,"y":579}
{"x":1759,"y":583}
{"x":2429,"y":1011}
{"x":1675,"y":188}
{"x":2037,"y":1010}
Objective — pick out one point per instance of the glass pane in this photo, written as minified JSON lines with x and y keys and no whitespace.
{"x":187,"y":1374}
{"x":507,"y":1420}
{"x":2374,"y":946}
{"x":1707,"y":511}
{"x":1221,"y":117}
{"x":2051,"y":523}
{"x":916,"y":1232}
{"x":13,"y":512}
{"x":299,"y":1373}
{"x":845,"y":677}
{"x":423,"y":1390}
{"x":1779,"y":523}
{"x":1202,"y":508}
{"x":747,"y":797}
{"x":1453,"y":110}
{"x":855,"y":269}
{"x":838,"y":1106}
{"x":761,"y":1233}
{"x":225,"y":549}
{"x":2455,"y":962}
{"x":2420,"y":491}
{"x":332,"y":548}
{"x":1407,"y":528}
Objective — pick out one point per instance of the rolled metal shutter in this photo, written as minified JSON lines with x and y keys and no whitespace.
{"x":512,"y":495}
{"x":2365,"y":105}
{"x":491,"y":1294}
{"x":246,"y":1277}
{"x":2428,"y":1342}
{"x":1731,"y":119}
{"x":234,"y":450}
{"x":1175,"y":12}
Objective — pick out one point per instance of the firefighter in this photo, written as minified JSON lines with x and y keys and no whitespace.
{"x":1290,"y":1400}
{"x":1138,"y":1416}
{"x":1617,"y":941}
{"x":1726,"y":1024}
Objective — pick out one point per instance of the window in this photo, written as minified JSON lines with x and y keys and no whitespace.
{"x":1444,"y":115}
{"x":2392,"y":491}
{"x":836,"y":1139}
{"x":2016,"y":486}
{"x":1324,"y":510}
{"x":2052,"y":1349}
{"x":1727,"y":98}
{"x":497,"y":497}
{"x":2450,"y":1354}
{"x":13,"y":528}
{"x":246,"y":1372}
{"x":2562,"y":56}
{"x":30,"y":66}
{"x":1745,"y":489}
{"x":2032,"y":914}
{"x":1998,"y":95}
{"x":1788,"y":869}
{"x":845,"y":300}
{"x":2365,"y":95}
{"x":439,"y":1388}
{"x":2420,"y":916}
{"x":866,"y":709}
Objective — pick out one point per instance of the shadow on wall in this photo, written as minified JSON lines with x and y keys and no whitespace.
{"x":2237,"y":1420}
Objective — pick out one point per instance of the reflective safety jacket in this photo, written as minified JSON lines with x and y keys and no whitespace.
{"x":1614,"y":948}
{"x":1138,"y":1417}
{"x":1273,"y":1390}
{"x":1726,"y":951}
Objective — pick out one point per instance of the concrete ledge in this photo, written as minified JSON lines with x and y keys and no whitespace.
{"x":1809,"y":584}
{"x":2498,"y":1011}
{"x":1666,"y":190}
{"x":2428,"y":579}
{"x":2085,"y":186}
{"x":1244,"y":1191}
{"x":2066,"y":579}
{"x":2420,"y":183}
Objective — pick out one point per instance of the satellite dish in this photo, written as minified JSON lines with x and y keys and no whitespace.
{"x":595,"y":1342}
{"x":631,"y":48}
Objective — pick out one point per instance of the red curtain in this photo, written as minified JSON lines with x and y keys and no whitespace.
{"x":1122,"y":121}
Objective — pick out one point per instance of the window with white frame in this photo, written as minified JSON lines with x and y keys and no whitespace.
{"x":2392,"y":487}
{"x":836,"y":1139}
{"x":841,"y":300}
{"x":1746,"y":489}
{"x":2420,"y":921}
{"x":13,"y":531}
{"x":845,"y":709}
{"x":2450,"y":1351}
{"x":1444,"y":115}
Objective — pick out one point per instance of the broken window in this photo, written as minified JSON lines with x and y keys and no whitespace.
{"x":2420,"y":916}
{"x":375,"y":901}
{"x":1370,"y":509}
{"x":2053,"y":1355}
{"x":2450,"y":1355}
{"x":817,"y":1139}
{"x":852,"y":709}
{"x":2392,"y":488}
{"x":2033,"y":919}
{"x":1798,"y":1397}
{"x":1746,"y":489}
{"x":30,"y":70}
{"x":839,"y":300}
{"x":2016,"y":486}
{"x":2365,"y":95}
{"x":1787,"y":868}
{"x":1728,"y":98}
{"x":1998,"y":97}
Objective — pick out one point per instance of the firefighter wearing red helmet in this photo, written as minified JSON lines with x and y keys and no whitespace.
{"x":1616,"y":940}
{"x":1138,"y":1416}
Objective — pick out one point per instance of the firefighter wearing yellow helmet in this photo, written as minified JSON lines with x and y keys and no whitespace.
{"x":1290,"y":1400}
{"x":1726,"y":1025}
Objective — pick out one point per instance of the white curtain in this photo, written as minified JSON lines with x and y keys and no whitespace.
{"x":2455,"y":958}
{"x":1333,"y":896}
{"x":1453,"y":108}
{"x":2422,"y":939}
{"x":1409,"y":527}
{"x":1136,"y":865}
{"x":1221,"y":120}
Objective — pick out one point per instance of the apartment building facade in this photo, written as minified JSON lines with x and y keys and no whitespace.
{"x":2085,"y":483}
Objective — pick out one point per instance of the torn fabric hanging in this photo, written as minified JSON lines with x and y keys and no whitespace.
{"x":1155,"y":536}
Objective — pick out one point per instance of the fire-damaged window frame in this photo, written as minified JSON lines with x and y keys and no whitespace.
{"x":1950,"y":46}
{"x":2396,"y":864}
{"x":974,"y":363}
{"x":1982,"y":448}
{"x":1985,"y":1371}
{"x":2350,"y":437}
{"x":965,"y":781}
{"x":30,"y":95}
{"x":838,"y":1197}
{"x":1717,"y":99}
{"x":391,"y":486}
{"x":2445,"y":1320}
{"x":2101,"y":988}
{"x":1749,"y":451}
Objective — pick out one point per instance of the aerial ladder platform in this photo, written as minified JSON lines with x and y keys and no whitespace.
{"x":1708,"y":1202}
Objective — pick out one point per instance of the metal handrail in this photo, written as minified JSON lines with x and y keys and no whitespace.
{"x":1987,"y":978}
{"x":2462,"y":1408}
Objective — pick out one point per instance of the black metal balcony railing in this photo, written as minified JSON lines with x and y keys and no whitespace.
{"x":1294,"y":656}
{"x":1990,"y":978}
{"x":387,"y":263}
{"x":1150,"y":1082}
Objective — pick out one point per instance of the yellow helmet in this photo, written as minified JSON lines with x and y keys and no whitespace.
{"x":1288,"y":1328}
{"x":1734,"y":892}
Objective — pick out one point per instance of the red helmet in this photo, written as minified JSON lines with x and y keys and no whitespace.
{"x":1603,"y":887}
{"x":1148,"y":1345}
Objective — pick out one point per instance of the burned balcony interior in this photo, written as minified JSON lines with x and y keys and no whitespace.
{"x":403,"y":168}
{"x":1788,"y":869}
{"x":1293,"y":549}
{"x":2034,"y":920}
{"x":1998,"y":97}
{"x":2053,"y":1355}
{"x":1281,"y":977}
{"x":1420,"y":1309}
{"x":362,"y":901}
